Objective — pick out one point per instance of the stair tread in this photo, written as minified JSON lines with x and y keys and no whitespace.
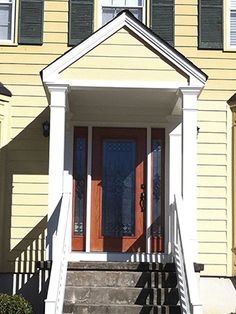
{"x":132,"y":266}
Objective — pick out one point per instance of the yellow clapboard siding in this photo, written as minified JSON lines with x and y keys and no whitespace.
{"x":212,"y":116}
{"x":185,"y":2}
{"x":211,"y":170}
{"x":214,"y":225}
{"x":28,"y":222}
{"x":51,"y":49}
{"x":212,"y":247}
{"x":185,"y":30}
{"x":30,"y":178}
{"x":30,"y":188}
{"x":211,"y":148}
{"x":190,"y":41}
{"x":22,"y":155}
{"x":206,"y":159}
{"x":214,"y":203}
{"x":124,"y":63}
{"x":29,"y":199}
{"x":211,"y":127}
{"x":224,"y":84}
{"x":22,"y":58}
{"x":211,"y":181}
{"x":186,"y":10}
{"x":18,"y":69}
{"x":212,"y":192}
{"x":213,"y":259}
{"x":55,"y":16}
{"x":30,"y":112}
{"x":186,"y":20}
{"x":29,"y":210}
{"x":55,"y":37}
{"x":205,"y":214}
{"x":35,"y":246}
{"x":27,"y":102}
{"x":26,"y":90}
{"x":214,"y":270}
{"x":212,"y":236}
{"x":22,"y":78}
{"x":56,"y":6}
{"x":54,"y":27}
{"x":216,"y":63}
{"x":22,"y":232}
{"x":119,"y":74}
{"x":205,"y":105}
{"x":212,"y":138}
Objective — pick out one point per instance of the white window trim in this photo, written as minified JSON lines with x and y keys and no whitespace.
{"x":144,"y":8}
{"x":13,"y":20}
{"x":226,"y":25}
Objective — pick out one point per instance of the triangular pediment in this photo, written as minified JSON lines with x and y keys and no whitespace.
{"x":124,"y":50}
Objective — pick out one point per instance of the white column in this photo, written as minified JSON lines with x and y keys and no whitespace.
{"x":189,"y":162}
{"x":58,"y":101}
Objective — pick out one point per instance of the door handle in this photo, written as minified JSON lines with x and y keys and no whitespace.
{"x":142,"y":201}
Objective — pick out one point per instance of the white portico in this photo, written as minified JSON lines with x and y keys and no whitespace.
{"x":123,"y":80}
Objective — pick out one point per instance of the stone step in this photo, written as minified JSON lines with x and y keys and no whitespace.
{"x":122,"y":296}
{"x":122,"y":266}
{"x":116,"y":278}
{"x":119,"y":309}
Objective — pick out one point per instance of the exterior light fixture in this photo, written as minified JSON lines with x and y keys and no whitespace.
{"x":46,"y":128}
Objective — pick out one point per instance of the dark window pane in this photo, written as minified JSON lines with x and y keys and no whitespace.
{"x":118,"y":184}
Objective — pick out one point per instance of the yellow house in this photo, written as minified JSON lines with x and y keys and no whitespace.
{"x":116,"y":146}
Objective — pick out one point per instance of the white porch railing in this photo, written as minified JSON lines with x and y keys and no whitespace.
{"x":55,"y":296}
{"x":187,"y":278}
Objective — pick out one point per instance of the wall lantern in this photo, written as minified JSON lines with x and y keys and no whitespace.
{"x":46,"y":128}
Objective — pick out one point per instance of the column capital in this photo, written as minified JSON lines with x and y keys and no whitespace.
{"x":189,"y":91}
{"x":58,"y":88}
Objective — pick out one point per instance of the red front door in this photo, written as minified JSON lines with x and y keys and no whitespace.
{"x":118,"y":213}
{"x":118,"y":179}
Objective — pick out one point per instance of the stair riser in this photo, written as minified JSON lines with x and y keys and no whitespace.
{"x":88,"y":309}
{"x":121,"y":279}
{"x":122,"y":296}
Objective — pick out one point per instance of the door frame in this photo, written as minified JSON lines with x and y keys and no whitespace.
{"x":149,"y":129}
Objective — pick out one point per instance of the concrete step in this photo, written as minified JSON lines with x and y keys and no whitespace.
{"x":122,"y":266}
{"x":122,"y":296}
{"x":108,"y":278}
{"x":119,"y":309}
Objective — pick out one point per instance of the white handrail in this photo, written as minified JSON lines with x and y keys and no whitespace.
{"x":55,"y":296}
{"x":187,"y":279}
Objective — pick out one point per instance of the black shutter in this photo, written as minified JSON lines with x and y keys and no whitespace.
{"x":80,"y":20}
{"x":162,"y":19}
{"x":210,"y":24}
{"x":31,"y":22}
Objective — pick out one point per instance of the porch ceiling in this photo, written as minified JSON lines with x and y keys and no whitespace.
{"x":122,"y":104}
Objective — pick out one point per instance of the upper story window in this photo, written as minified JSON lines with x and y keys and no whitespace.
{"x":110,"y":8}
{"x":6,"y":20}
{"x":232,"y":23}
{"x":30,"y":23}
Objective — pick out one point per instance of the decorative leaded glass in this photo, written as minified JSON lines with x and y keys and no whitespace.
{"x":156,"y":151}
{"x":118,"y":186}
{"x":80,"y":180}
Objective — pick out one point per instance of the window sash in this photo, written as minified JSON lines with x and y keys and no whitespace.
{"x":7,"y":25}
{"x":110,"y":8}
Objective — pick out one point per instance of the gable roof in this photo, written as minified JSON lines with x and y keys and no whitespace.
{"x":127,"y":20}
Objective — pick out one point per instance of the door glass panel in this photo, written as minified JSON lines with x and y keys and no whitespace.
{"x":118,"y":188}
{"x":156,"y":151}
{"x":80,"y":181}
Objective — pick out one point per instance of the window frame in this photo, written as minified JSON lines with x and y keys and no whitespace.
{"x":13,"y":22}
{"x":100,"y":7}
{"x":227,"y":15}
